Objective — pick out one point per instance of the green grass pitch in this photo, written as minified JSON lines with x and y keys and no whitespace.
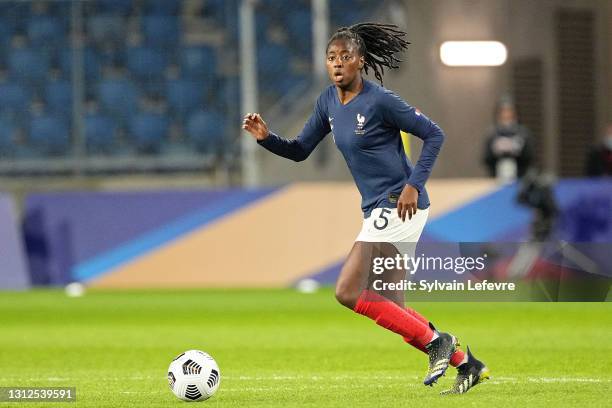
{"x":279,"y":348}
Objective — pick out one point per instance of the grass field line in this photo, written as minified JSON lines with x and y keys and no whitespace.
{"x":357,"y":377}
{"x":310,"y":386}
{"x":404,"y":384}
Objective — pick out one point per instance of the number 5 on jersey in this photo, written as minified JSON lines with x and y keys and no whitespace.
{"x":382,"y":221}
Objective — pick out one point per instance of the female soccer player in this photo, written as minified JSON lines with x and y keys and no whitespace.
{"x":365,"y":120}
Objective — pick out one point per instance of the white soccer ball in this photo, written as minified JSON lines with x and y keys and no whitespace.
{"x":307,"y":286}
{"x":74,"y":289}
{"x":194,"y":376}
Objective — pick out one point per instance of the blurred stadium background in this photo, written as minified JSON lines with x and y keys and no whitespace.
{"x":122,"y":157}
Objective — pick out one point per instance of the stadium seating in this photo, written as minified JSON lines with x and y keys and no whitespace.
{"x":206,"y":131}
{"x":184,"y":96}
{"x":106,"y":27}
{"x":91,"y":60}
{"x":285,"y":83}
{"x":130,"y":46}
{"x":262,"y":22}
{"x":162,"y":7}
{"x":346,"y":12}
{"x":198,"y":62}
{"x":217,"y":9}
{"x":123,"y":7}
{"x":58,"y":97}
{"x":45,"y":30}
{"x":118,"y":97}
{"x":146,"y":63}
{"x":28,"y":65}
{"x":229,"y":90}
{"x":49,"y":135}
{"x":149,"y":130}
{"x":7,"y":132}
{"x":14,"y":99}
{"x":278,"y":58}
{"x":160,"y":31}
{"x":110,"y":54}
{"x":6,"y":33}
{"x":300,"y":34}
{"x":100,"y":133}
{"x":16,"y":14}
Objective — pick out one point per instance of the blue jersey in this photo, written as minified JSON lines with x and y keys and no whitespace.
{"x":366,"y":130}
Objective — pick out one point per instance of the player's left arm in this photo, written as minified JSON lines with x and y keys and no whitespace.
{"x":399,"y":114}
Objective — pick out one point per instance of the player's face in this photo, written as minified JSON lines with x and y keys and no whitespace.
{"x":344,"y":64}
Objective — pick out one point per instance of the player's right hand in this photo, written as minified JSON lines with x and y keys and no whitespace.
{"x":407,"y":202}
{"x":255,"y":125}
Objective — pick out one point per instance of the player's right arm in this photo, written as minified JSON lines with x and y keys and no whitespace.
{"x":297,"y":149}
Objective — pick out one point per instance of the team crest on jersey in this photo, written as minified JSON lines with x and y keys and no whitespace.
{"x":360,"y":125}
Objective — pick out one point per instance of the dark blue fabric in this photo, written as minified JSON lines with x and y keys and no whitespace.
{"x":366,"y":130}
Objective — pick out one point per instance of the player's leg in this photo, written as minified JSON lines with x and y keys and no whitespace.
{"x":354,"y":290}
{"x":457,"y":358}
{"x":439,"y":350}
{"x":398,"y":297}
{"x":470,"y":371}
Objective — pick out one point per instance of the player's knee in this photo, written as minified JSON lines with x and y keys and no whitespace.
{"x":346,"y":296}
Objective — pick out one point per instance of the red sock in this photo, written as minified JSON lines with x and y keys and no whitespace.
{"x":417,"y":315}
{"x":392,"y":317}
{"x":456,"y":358}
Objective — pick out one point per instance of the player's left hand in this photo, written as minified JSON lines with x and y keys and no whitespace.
{"x":407,"y":202}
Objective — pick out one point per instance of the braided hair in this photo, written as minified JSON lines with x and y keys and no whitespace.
{"x":377,"y":43}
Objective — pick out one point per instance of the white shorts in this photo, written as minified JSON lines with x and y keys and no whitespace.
{"x":383,"y":225}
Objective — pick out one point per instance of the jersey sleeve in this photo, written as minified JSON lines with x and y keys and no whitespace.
{"x":298,"y":149}
{"x":398,"y":114}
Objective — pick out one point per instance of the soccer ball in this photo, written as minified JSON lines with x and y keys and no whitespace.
{"x":194,"y":376}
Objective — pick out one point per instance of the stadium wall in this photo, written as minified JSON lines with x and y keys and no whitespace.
{"x":462,"y":99}
{"x":266,"y":237}
{"x":13,"y":266}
